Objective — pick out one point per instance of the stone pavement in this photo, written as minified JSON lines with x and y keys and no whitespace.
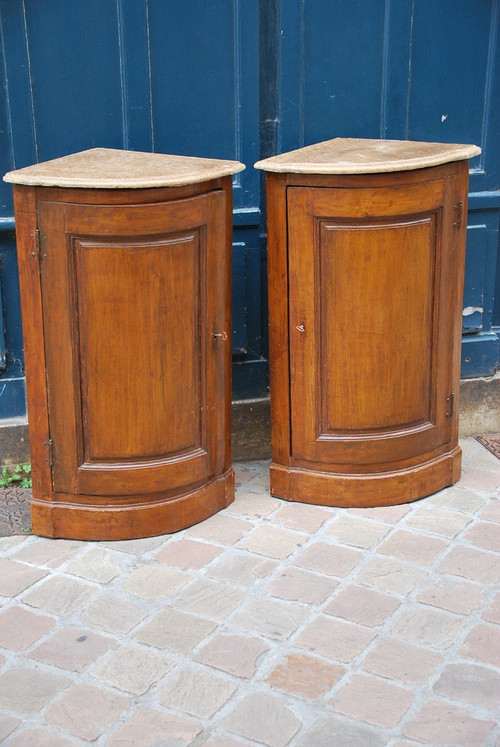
{"x":269,"y":624}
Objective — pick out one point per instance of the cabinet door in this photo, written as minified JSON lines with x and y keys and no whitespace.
{"x":371,"y":277}
{"x":132,"y":298}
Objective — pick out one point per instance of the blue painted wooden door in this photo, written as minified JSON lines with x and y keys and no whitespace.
{"x":183,"y":77}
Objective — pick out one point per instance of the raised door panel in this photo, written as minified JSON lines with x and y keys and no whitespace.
{"x":131,"y":353}
{"x":366,"y":339}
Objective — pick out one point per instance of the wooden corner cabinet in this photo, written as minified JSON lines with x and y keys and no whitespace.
{"x":124,"y":262}
{"x":366,"y":242}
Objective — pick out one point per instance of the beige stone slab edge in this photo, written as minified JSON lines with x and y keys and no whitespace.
{"x":361,"y":156}
{"x":107,"y":168}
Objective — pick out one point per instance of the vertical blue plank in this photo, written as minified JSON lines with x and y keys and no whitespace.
{"x":133,"y":33}
{"x":75,"y":71}
{"x":291,"y":75}
{"x":395,"y":70}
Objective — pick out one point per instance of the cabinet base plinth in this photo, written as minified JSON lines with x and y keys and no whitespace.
{"x":70,"y":520}
{"x":366,"y":490}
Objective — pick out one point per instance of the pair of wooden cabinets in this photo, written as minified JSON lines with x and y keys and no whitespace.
{"x":125,"y":286}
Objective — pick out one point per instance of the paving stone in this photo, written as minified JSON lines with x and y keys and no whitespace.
{"x":492,"y":612}
{"x":437,"y":520}
{"x":483,"y":643}
{"x":389,"y":514}
{"x":132,"y":669}
{"x":302,"y":516}
{"x":113,"y":614}
{"x":480,"y":480}
{"x":86,"y":711}
{"x":16,"y":577}
{"x":470,"y":683}
{"x":221,"y":528}
{"x":459,"y":499}
{"x":485,"y":534}
{"x":362,"y":605}
{"x":412,"y":547}
{"x":330,"y":559}
{"x":39,"y":738}
{"x":196,"y":692}
{"x":96,"y":565}
{"x":27,"y":691}
{"x":334,"y":730}
{"x":72,"y":648}
{"x":250,"y":505}
{"x":7,"y":725}
{"x":59,"y":595}
{"x":491,"y":512}
{"x":9,"y":543}
{"x":449,"y":594}
{"x":273,"y":542}
{"x":305,"y":676}
{"x":138,"y":546}
{"x":398,"y":660}
{"x":475,"y":564}
{"x":270,"y":618}
{"x":234,"y":654}
{"x":428,"y":626}
{"x":245,"y":471}
{"x":260,"y":483}
{"x":51,"y":553}
{"x":475,"y":454}
{"x":20,"y":628}
{"x":263,"y":718}
{"x":173,"y":630}
{"x":242,"y":568}
{"x":390,"y":575}
{"x":188,"y":554}
{"x":441,"y":723}
{"x":210,"y":599}
{"x":372,"y":700}
{"x":357,"y":531}
{"x":151,"y":582}
{"x":335,"y":639}
{"x":299,"y":585}
{"x":149,"y":727}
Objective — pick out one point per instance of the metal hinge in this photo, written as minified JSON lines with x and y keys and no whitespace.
{"x":450,"y":402}
{"x":49,"y":444}
{"x":37,"y":252}
{"x":458,"y":214}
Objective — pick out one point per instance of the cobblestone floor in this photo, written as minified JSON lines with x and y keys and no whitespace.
{"x":269,"y":624}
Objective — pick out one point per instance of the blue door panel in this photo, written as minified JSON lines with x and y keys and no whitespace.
{"x":450,"y":73}
{"x":349,"y":103}
{"x":200,"y":75}
{"x":75,"y":75}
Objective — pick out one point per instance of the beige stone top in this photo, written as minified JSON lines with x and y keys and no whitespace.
{"x":106,"y":168}
{"x":356,"y":156}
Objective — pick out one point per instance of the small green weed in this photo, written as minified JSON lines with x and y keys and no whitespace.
{"x":20,"y":475}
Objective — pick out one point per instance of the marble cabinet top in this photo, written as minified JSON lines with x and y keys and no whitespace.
{"x":107,"y":168}
{"x":359,"y":156}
